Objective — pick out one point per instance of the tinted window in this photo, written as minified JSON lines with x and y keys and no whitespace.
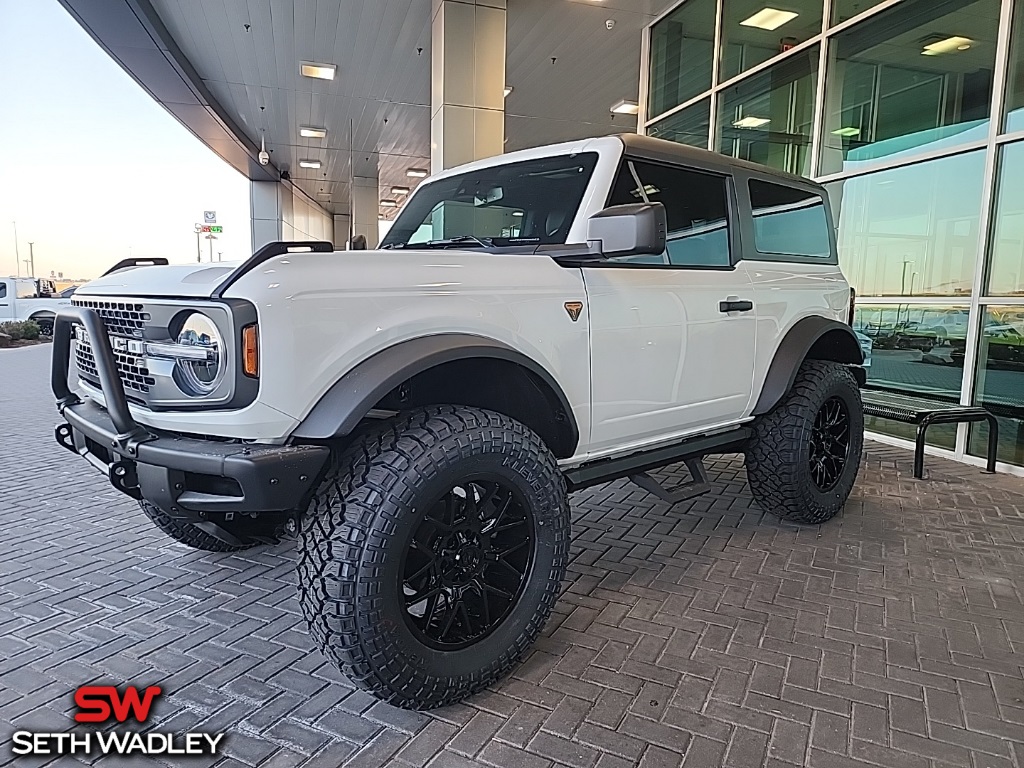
{"x":3,"y":290}
{"x":696,"y":206}
{"x":789,"y":221}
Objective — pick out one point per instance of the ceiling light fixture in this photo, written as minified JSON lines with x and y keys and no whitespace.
{"x":850,"y":132}
{"x":388,"y":204}
{"x":625,"y":107}
{"x":948,"y":45}
{"x":751,"y":122}
{"x":508,"y":90}
{"x":309,"y":132}
{"x":309,"y":163}
{"x":416,"y":173}
{"x":769,"y":18}
{"x":400,"y":190}
{"x":319,"y":71}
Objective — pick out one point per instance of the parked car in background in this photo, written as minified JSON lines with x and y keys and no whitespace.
{"x":30,"y":298}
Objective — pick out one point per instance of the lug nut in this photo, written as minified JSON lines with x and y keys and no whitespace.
{"x":273,"y":481}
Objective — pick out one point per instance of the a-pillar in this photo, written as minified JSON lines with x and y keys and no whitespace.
{"x":467,"y":88}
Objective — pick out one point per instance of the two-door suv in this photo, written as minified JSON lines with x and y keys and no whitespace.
{"x":532,"y":324}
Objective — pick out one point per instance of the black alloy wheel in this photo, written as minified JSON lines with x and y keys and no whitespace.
{"x":830,"y":443}
{"x":467,"y":563}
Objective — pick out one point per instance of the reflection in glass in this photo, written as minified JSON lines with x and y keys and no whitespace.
{"x":1000,"y":382}
{"x":1006,"y":273}
{"x":847,"y":9}
{"x":788,"y":221}
{"x":1015,"y":74}
{"x":681,"y":54}
{"x":754,"y":31}
{"x":911,"y":231}
{"x":766,"y":118}
{"x":916,"y":349}
{"x":919,"y":73}
{"x":687,"y":126}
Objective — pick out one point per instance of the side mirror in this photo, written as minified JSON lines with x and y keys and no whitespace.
{"x":629,"y":230}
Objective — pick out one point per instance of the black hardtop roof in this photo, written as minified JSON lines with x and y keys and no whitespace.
{"x":672,"y":152}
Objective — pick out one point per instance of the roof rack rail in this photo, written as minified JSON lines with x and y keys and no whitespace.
{"x":158,"y":261}
{"x":269,"y":251}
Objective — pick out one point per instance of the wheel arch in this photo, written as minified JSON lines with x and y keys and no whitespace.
{"x":811,"y":338}
{"x":461,"y":369}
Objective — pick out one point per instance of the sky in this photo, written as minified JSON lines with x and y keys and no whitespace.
{"x":94,"y":170}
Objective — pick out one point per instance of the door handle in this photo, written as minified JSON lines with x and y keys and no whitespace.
{"x":735,"y":305}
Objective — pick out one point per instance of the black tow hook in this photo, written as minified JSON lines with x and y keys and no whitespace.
{"x":124,"y":477}
{"x":64,"y":436}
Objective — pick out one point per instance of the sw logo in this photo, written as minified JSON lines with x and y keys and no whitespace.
{"x":98,"y":704}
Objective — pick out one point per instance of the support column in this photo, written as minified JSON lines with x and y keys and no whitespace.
{"x":265,"y":209}
{"x":366,"y":208}
{"x":467,"y":82}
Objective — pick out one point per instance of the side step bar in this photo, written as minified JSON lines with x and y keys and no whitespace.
{"x":697,"y":486}
{"x":640,"y":463}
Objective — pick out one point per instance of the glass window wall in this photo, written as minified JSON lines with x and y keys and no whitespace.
{"x":767,"y":118}
{"x":1015,"y":73}
{"x":916,"y":76}
{"x":843,"y":10}
{"x":912,"y":230}
{"x":682,"y":50}
{"x":687,"y":126}
{"x":754,"y":31}
{"x":1006,"y":273}
{"x":1000,"y":382}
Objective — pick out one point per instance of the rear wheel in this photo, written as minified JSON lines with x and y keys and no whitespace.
{"x":193,"y":536}
{"x":433,"y":552}
{"x":805,"y":454}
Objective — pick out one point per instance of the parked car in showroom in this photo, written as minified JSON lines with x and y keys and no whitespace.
{"x":532,"y":324}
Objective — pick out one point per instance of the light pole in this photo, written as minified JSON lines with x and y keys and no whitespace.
{"x":219,"y":254}
{"x":903,"y":288}
{"x":32,"y":260}
{"x":199,"y":254}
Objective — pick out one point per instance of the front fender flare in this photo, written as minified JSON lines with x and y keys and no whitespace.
{"x":348,"y":401}
{"x":794,"y":349}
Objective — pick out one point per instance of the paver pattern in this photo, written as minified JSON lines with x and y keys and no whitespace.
{"x":705,"y":635}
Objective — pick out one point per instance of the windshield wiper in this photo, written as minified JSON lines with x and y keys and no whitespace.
{"x":482,"y":242}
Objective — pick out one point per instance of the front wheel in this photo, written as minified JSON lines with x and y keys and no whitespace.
{"x":433,"y":552}
{"x":804,"y":456}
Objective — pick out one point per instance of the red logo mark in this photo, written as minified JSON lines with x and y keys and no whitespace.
{"x":98,"y":703}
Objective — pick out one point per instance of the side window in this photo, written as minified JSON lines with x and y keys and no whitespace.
{"x":789,"y":221}
{"x":3,"y":290}
{"x":696,"y":205}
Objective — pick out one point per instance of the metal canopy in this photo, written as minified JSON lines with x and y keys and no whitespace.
{"x":229,"y":71}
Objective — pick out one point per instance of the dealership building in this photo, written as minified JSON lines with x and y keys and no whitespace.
{"x":911,"y":112}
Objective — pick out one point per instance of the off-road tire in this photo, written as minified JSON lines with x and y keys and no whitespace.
{"x":354,"y":536}
{"x":189,"y":535}
{"x":778,"y":457}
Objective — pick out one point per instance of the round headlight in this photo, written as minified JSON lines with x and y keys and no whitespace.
{"x":200,"y":366}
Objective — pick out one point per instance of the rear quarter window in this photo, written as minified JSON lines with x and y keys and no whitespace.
{"x":789,"y":221}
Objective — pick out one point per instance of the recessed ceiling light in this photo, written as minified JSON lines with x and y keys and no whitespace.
{"x":769,"y":18}
{"x":320,"y":71}
{"x":751,"y":122}
{"x":949,"y":45}
{"x":416,"y":173}
{"x":508,"y":90}
{"x":309,"y":132}
{"x":625,"y":107}
{"x":309,"y":163}
{"x":517,"y":213}
{"x":380,"y":216}
{"x":850,"y":131}
{"x":388,"y":204}
{"x":399,"y":190}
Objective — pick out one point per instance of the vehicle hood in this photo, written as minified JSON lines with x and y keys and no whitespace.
{"x":175,"y":281}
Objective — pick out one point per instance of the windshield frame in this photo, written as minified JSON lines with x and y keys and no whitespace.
{"x":435,"y":192}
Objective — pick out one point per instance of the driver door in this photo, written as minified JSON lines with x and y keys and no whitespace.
{"x":672,"y":336}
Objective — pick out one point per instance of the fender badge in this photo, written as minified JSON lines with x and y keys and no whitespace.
{"x":574,"y":308}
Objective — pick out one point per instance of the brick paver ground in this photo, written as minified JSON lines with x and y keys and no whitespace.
{"x":703,"y":635}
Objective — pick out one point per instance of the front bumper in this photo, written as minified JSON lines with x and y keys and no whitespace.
{"x":187,"y":477}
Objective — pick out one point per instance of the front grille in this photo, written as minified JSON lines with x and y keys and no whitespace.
{"x":125,"y":319}
{"x":121,"y":318}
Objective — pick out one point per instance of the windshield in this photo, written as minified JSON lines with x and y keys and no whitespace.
{"x":529,"y":202}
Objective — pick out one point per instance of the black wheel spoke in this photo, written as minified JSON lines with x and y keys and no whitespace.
{"x":830,"y":443}
{"x":467,"y":563}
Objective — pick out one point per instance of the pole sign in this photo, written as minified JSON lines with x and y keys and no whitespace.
{"x":217,"y":230}
{"x":209,"y":217}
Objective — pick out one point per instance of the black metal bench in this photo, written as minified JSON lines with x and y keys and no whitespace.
{"x":923,"y":411}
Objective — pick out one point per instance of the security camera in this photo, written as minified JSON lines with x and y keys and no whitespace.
{"x":264,"y":157}
{"x":610,"y":23}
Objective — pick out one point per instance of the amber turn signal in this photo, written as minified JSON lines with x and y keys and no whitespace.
{"x":251,"y":350}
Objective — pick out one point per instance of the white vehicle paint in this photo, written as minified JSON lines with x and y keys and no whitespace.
{"x":21,"y":299}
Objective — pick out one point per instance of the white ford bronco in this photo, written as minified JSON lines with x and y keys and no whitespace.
{"x":532,"y":324}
